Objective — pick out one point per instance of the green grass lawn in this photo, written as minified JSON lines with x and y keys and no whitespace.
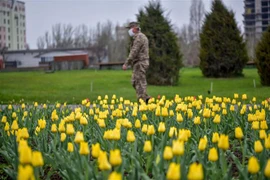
{"x":73,"y":86}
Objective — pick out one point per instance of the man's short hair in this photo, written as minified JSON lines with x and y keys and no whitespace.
{"x":133,"y":24}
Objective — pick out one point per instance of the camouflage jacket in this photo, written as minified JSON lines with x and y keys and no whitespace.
{"x":139,"y":51}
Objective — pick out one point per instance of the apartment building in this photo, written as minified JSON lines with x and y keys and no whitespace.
{"x":12,"y":25}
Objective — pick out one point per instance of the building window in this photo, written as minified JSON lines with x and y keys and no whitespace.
{"x":9,"y":30}
{"x":8,"y":22}
{"x":265,"y":22}
{"x":4,"y":21}
{"x":264,"y":10}
{"x":18,"y":46}
{"x":8,"y":13}
{"x":264,"y":3}
{"x":9,"y":38}
{"x":9,"y":45}
{"x":4,"y":12}
{"x":264,"y":16}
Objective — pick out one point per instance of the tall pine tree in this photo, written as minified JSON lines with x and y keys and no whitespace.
{"x":223,"y":51}
{"x":263,"y":58}
{"x":164,"y":52}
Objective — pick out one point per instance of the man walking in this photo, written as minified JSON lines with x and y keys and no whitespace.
{"x":139,"y":60}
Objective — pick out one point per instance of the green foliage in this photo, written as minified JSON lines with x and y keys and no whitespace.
{"x":164,"y":52}
{"x":223,"y":51}
{"x":263,"y":58}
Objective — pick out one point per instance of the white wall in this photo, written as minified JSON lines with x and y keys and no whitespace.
{"x":25,"y":59}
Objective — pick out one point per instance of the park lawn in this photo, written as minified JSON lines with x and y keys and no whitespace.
{"x":73,"y":86}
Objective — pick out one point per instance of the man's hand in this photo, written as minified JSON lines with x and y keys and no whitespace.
{"x":124,"y":67}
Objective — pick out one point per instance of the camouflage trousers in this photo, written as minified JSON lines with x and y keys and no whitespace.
{"x":139,"y":82}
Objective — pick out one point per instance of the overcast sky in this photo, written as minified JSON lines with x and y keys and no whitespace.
{"x":41,"y":15}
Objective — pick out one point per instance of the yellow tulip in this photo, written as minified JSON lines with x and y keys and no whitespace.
{"x":172,"y":132}
{"x":14,"y":125}
{"x":217,"y":119}
{"x":255,"y":125}
{"x":6,"y":128}
{"x":61,"y":127}
{"x":151,"y":130}
{"x":202,"y":144}
{"x":115,"y":157}
{"x":157,"y":112}
{"x":144,"y":117}
{"x":79,"y":137}
{"x":83,"y":121}
{"x":144,"y":128}
{"x":70,"y":129}
{"x":25,"y":154}
{"x":267,"y":169}
{"x":14,"y":115}
{"x":262,"y":134}
{"x":213,"y":155}
{"x":197,"y":120}
{"x":25,"y":172}
{"x":130,"y":136}
{"x":178,"y":147}
{"x":37,"y":159}
{"x":115,"y":176}
{"x":54,"y":128}
{"x":95,"y":150}
{"x":42,"y":123}
{"x":4,"y":119}
{"x":84,"y":149}
{"x":244,"y":96}
{"x":137,"y":123}
{"x":235,"y":96}
{"x":161,"y":127}
{"x":147,"y":146}
{"x":164,"y":112}
{"x":167,"y":154}
{"x":267,"y":142}
{"x":171,"y":113}
{"x":101,"y":123}
{"x":223,"y":142}
{"x":174,"y":171}
{"x":263,"y":125}
{"x":70,"y":147}
{"x":258,"y":146}
{"x":103,"y":162}
{"x":179,"y":117}
{"x":206,"y":113}
{"x":238,"y":133}
{"x":195,"y":172}
{"x":253,"y":165}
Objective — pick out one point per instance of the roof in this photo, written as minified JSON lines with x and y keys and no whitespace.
{"x":61,"y":53}
{"x":46,"y":50}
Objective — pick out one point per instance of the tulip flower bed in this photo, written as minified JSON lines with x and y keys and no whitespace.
{"x":112,"y":138}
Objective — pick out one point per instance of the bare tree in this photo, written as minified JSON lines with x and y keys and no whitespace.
{"x":106,"y":42}
{"x":41,"y":43}
{"x":197,"y":12}
{"x":189,"y":35}
{"x":48,"y":40}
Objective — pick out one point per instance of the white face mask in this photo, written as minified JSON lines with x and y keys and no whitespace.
{"x":131,"y":33}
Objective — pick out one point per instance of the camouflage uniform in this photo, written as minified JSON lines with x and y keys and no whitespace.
{"x":139,"y":60}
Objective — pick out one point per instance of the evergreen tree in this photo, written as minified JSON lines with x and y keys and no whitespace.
{"x":164,"y":51}
{"x":223,"y":51}
{"x":263,"y":58}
